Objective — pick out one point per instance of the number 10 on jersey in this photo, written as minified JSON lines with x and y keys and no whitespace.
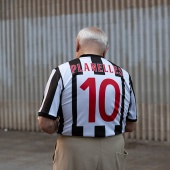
{"x":91,"y":84}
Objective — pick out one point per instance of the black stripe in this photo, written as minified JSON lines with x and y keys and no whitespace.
{"x":118,"y":128}
{"x":46,"y":115}
{"x":76,"y":131}
{"x":97,"y":60}
{"x":61,"y":117}
{"x":76,"y":62}
{"x":131,"y":90}
{"x":100,"y":131}
{"x":60,"y":112}
{"x":91,"y":55}
{"x":51,"y":91}
{"x":61,"y":120}
{"x":131,"y":84}
{"x":130,"y":96}
{"x":119,"y":73}
{"x":118,"y":70}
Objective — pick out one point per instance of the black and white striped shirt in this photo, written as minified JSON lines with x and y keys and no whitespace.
{"x":92,"y":96}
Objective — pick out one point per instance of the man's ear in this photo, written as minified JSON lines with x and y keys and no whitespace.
{"x":105,"y":51}
{"x":77,"y":46}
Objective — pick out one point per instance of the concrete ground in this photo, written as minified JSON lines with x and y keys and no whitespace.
{"x":33,"y":151}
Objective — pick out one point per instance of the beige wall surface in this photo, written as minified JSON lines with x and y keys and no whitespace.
{"x":38,"y":35}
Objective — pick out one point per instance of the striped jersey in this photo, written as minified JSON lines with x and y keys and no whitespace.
{"x":91,"y":96}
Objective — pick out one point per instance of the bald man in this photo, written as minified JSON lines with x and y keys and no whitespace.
{"x":90,"y":103}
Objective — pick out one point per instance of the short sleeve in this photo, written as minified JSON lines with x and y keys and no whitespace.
{"x":51,"y":100}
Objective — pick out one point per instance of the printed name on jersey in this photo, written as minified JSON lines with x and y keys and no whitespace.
{"x":96,"y":67}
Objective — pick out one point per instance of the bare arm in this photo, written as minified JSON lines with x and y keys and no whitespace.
{"x":48,"y":125}
{"x":130,"y":126}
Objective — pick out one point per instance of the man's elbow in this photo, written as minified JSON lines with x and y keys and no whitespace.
{"x":45,"y":128}
{"x":127,"y":129}
{"x":46,"y":125}
{"x":130,"y":126}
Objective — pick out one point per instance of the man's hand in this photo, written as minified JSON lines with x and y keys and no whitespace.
{"x":48,"y":125}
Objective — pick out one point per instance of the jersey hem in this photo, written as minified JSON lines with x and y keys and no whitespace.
{"x":131,"y":120}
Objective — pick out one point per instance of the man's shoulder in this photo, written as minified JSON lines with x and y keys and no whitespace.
{"x":65,"y":66}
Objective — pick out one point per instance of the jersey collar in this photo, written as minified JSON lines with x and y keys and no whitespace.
{"x":91,"y":55}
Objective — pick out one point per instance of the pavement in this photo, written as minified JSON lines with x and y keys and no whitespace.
{"x":33,"y":151}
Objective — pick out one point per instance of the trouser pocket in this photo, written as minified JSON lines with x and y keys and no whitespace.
{"x":121,"y":160}
{"x":54,"y":154}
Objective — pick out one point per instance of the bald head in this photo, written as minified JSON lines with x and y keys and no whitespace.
{"x":91,"y":40}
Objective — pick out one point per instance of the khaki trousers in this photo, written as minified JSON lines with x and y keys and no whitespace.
{"x":81,"y":153}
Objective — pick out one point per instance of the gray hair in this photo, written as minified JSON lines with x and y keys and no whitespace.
{"x":92,"y":34}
